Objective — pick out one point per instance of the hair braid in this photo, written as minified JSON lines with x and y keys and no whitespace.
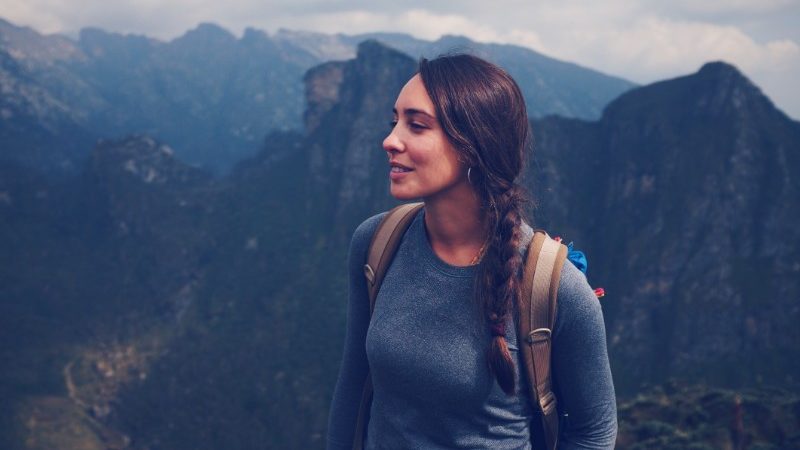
{"x":504,"y":284}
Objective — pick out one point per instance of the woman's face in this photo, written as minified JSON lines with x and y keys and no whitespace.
{"x":423,"y":163}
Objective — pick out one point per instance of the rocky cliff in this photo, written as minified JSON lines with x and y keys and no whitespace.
{"x":685,"y":191}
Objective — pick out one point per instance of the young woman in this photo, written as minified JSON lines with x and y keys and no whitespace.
{"x":440,"y":346}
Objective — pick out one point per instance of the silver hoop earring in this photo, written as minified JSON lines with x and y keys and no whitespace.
{"x":468,"y":178}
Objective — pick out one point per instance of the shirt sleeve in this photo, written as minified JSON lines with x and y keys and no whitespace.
{"x":354,"y":367}
{"x":581,"y":371}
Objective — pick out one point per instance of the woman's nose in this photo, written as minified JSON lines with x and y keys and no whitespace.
{"x":392,"y":143}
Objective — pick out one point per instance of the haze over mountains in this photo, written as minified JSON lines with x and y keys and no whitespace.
{"x":229,"y":92}
{"x":146,"y":303}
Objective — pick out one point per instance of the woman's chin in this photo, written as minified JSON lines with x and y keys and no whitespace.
{"x":402,"y":194}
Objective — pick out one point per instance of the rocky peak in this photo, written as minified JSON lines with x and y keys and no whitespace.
{"x":208,"y":49}
{"x":717,"y":90}
{"x":719,"y":69}
{"x":25,"y":44}
{"x":101,"y":44}
{"x":373,"y":76}
{"x":254,"y":36}
{"x":254,"y":33}
{"x":329,"y":83}
{"x":371,"y":51}
{"x":143,"y":159}
{"x":207,"y":34}
{"x":321,"y":46}
{"x":262,"y":46}
{"x":322,"y":85}
{"x":731,"y":90}
{"x":454,"y":41}
{"x":348,"y":126}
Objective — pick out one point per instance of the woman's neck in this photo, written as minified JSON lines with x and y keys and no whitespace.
{"x":456,"y":227}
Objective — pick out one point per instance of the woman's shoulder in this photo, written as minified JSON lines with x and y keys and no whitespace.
{"x":576,"y":302}
{"x":367,"y":228}
{"x":362,"y":235}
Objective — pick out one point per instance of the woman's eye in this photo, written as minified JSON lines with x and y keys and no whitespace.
{"x":417,"y":126}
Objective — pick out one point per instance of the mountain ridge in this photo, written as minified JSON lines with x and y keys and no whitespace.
{"x":213,"y":96}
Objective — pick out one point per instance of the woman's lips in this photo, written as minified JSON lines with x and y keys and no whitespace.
{"x":398,"y":171}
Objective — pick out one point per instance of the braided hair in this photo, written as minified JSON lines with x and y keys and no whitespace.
{"x":482,"y":112}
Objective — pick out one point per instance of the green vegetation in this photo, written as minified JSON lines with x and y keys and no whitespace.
{"x":684,"y":416}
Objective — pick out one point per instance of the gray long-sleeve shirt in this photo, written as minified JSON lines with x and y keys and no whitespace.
{"x":426,"y":349}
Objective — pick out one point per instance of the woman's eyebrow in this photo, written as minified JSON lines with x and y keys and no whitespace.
{"x":413,"y":112}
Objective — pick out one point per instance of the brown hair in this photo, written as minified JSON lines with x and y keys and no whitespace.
{"x":482,"y":111}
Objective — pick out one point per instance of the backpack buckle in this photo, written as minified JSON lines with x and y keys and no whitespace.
{"x":543,"y":335}
{"x":547,"y":402}
{"x":369,"y":273}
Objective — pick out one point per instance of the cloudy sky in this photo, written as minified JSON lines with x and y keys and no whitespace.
{"x":641,"y":40}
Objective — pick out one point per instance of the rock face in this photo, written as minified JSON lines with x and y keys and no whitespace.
{"x":323,"y":85}
{"x":347,"y":161}
{"x":34,"y":123}
{"x":144,"y":159}
{"x":689,"y":208}
{"x":211,"y":96}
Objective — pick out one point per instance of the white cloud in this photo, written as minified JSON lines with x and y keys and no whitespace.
{"x":653,"y":48}
{"x":28,"y":14}
{"x":418,"y":22}
{"x":731,"y":6}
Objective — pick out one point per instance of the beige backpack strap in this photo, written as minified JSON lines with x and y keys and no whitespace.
{"x":382,"y":248}
{"x":537,"y":310}
{"x":384,"y":244}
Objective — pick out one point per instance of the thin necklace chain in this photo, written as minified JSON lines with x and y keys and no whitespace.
{"x":479,"y":256}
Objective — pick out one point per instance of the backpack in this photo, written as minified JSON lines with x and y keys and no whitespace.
{"x":536,"y":313}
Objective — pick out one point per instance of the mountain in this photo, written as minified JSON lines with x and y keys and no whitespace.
{"x":213,"y":97}
{"x":550,"y":86}
{"x":683,"y":194}
{"x":149,"y":304}
{"x":33,"y":123}
{"x":98,"y":272}
{"x":187,"y":274}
